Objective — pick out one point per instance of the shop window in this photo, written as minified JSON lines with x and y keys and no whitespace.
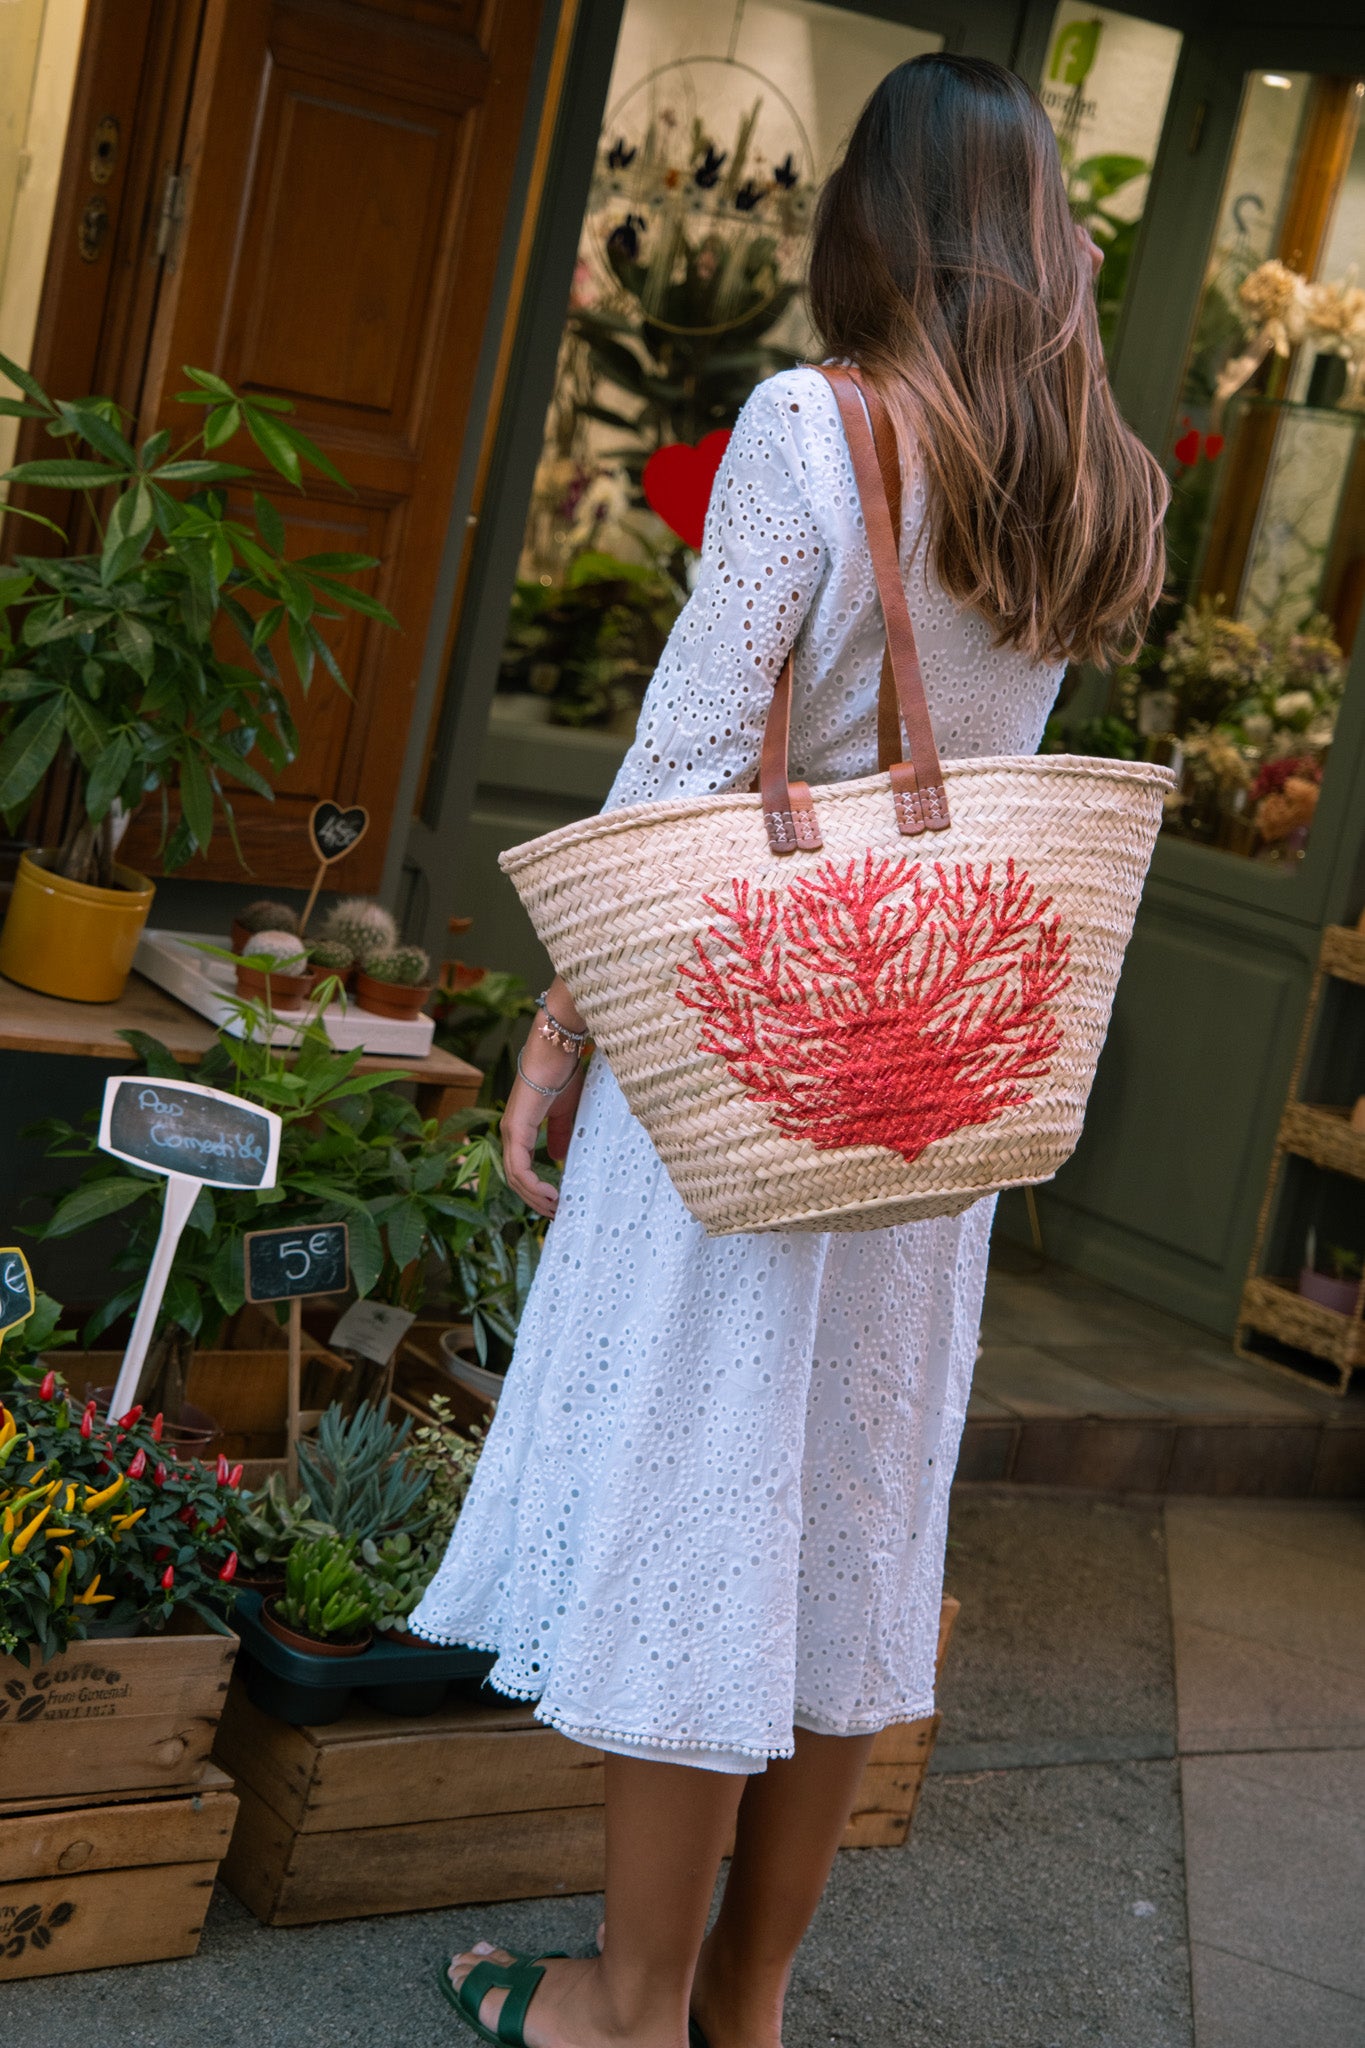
{"x":722,"y":122}
{"x":1243,"y":677}
{"x":1105,"y":86}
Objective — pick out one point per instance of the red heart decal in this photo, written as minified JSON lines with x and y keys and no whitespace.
{"x":677,"y":483}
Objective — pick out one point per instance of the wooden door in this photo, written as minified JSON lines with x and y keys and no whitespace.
{"x":346,"y":171}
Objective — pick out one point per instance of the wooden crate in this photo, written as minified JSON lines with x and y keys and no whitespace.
{"x":377,"y":1815}
{"x":124,"y":1714}
{"x":115,"y":1880}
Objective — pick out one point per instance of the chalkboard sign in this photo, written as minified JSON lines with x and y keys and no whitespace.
{"x":16,"y":1288}
{"x":334,"y":831}
{"x":283,"y":1263}
{"x":180,"y":1127}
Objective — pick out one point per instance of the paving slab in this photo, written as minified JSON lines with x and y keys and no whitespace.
{"x":1062,"y":1651}
{"x":1242,"y":2004}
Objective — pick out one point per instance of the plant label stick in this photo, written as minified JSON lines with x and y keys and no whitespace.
{"x":333,"y":832}
{"x":16,"y":1289}
{"x":196,"y":1137}
{"x":287,"y":1265}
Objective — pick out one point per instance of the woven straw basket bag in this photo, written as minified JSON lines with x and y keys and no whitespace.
{"x":873,"y":1002}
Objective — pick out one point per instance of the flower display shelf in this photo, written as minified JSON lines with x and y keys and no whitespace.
{"x":208,"y":985}
{"x":393,"y":1678}
{"x":1272,"y":1307}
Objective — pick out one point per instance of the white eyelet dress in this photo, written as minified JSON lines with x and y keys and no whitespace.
{"x":713,"y":1503}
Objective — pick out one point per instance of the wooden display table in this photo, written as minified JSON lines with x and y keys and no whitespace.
{"x":34,"y":1023}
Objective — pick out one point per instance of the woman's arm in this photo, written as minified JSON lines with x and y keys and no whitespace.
{"x":543,"y":1065}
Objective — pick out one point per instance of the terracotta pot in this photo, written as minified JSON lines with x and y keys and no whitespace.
{"x":70,"y":939}
{"x":314,"y":1646}
{"x":286,"y":994}
{"x":1328,"y":1292}
{"x":389,"y":998}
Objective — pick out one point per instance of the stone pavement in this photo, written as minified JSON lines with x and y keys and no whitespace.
{"x":1145,"y":1827}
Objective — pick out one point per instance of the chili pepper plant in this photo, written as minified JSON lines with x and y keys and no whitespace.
{"x":100,"y":1522}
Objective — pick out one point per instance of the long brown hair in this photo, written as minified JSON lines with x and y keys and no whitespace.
{"x":946,"y":264}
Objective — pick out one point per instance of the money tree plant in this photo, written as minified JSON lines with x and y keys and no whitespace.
{"x":155,"y":657}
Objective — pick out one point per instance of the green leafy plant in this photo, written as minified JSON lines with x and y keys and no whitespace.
{"x":477,"y":1015}
{"x":1341,"y":1262}
{"x":266,"y":1525}
{"x":1111,"y":738}
{"x":397,"y":1571}
{"x":326,"y":1593}
{"x":494,"y":1243}
{"x":357,"y":1478}
{"x":448,"y":1456}
{"x":403,"y":966}
{"x":590,"y":642}
{"x":23,"y":1354}
{"x":117,"y":653}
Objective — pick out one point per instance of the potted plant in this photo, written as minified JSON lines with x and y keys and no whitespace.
{"x":265,"y":1527}
{"x":358,"y":1478}
{"x":494,"y":1241}
{"x":330,"y":958}
{"x":397,"y":1570}
{"x":276,"y":972}
{"x":361,"y":926}
{"x":119,"y":658}
{"x":1337,"y":1288}
{"x":327,"y":1607}
{"x":394,"y":983}
{"x":263,"y":916}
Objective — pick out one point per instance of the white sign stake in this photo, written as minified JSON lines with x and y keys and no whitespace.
{"x":196,"y":1137}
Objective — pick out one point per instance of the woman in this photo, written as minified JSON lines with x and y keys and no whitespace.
{"x":707,"y":1530}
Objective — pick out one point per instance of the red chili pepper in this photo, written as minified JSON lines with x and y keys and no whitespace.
{"x":222,"y":1469}
{"x":162,"y":1550}
{"x":168,"y":1578}
{"x":235,"y":1476}
{"x":220,"y":1524}
{"x":138,"y":1465}
{"x":88,"y":1419}
{"x":229,"y":1570}
{"x":189,"y":1516}
{"x":104,"y":1466}
{"x":47,"y":1386}
{"x":127,"y":1421}
{"x":160,"y":1475}
{"x":158,"y":1424}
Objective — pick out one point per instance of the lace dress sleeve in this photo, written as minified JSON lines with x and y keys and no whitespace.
{"x":762,"y":559}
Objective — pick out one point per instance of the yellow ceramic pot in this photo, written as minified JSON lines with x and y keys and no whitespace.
{"x":69,"y":939}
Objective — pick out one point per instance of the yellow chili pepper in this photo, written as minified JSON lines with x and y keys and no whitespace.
{"x":97,"y":1500}
{"x":70,"y":1498}
{"x":27,"y":1534}
{"x":91,"y":1594}
{"x":4,"y":1564}
{"x":59,"y":1532}
{"x":122,"y":1522}
{"x":7,"y":1521}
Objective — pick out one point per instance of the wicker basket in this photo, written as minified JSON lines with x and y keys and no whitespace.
{"x":637,"y":910}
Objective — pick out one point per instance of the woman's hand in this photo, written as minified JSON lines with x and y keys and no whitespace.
{"x":554,"y":1068}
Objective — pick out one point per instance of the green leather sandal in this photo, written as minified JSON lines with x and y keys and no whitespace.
{"x":519,"y":1978}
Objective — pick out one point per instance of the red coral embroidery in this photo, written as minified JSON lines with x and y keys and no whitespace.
{"x":877,"y":1007}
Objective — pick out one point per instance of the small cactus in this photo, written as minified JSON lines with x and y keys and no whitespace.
{"x":362,"y":926}
{"x":404,"y":966}
{"x":268,"y":917}
{"x":331,"y":954}
{"x":283,"y":949}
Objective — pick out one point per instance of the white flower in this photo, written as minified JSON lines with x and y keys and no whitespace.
{"x":1294,"y":704}
{"x":1258,"y":726}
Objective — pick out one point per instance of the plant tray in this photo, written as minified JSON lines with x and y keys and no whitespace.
{"x":310,"y":1691}
{"x":209,"y":986}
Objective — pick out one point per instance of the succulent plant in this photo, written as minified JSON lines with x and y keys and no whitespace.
{"x":404,"y":966}
{"x":357,"y":1478}
{"x":326,"y":1593}
{"x":265,"y":1527}
{"x":268,"y":917}
{"x":397,"y":1571}
{"x":331,"y":954}
{"x":364,"y":926}
{"x":284,"y":950}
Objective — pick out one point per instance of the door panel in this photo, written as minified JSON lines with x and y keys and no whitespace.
{"x":347,"y":173}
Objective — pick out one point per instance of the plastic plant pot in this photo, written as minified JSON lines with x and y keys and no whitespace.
{"x":1329,"y":1292}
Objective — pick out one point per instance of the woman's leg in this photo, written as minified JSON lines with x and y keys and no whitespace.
{"x":791,"y":1820}
{"x":667,"y":1829}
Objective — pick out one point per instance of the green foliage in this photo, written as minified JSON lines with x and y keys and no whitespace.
{"x":265,"y":1526}
{"x":403,"y":967}
{"x":448,"y":1457}
{"x":1342,"y":1262}
{"x":396,"y":1571}
{"x":1110,"y":738}
{"x":326,"y":1594}
{"x":591,"y":642}
{"x":357,"y":1478}
{"x":477,"y":1014}
{"x":24,"y":1350}
{"x":118,"y":654}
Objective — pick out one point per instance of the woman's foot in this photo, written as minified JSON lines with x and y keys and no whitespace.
{"x":573,"y":2006}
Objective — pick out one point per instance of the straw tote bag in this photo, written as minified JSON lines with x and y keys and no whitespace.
{"x":878,"y":1000}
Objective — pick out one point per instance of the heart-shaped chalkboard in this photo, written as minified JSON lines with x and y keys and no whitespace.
{"x":334,"y":831}
{"x":677,"y":483}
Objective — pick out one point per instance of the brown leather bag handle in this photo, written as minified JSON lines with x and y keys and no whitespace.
{"x":917,"y":784}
